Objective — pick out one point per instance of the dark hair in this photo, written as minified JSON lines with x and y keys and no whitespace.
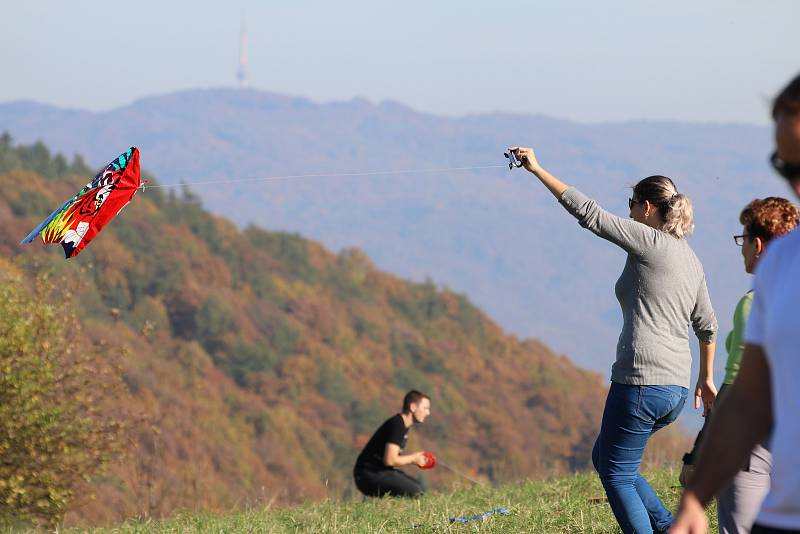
{"x":769,"y":218}
{"x":788,"y":101}
{"x":675,"y":208}
{"x":413,"y":397}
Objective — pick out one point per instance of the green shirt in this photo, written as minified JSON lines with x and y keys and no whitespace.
{"x":734,"y":343}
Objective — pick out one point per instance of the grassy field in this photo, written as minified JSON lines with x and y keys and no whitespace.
{"x":571,"y":504}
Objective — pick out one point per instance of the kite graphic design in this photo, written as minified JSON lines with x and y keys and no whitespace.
{"x":81,"y":218}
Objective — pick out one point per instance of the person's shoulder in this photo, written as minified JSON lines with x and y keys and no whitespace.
{"x":682,"y":244}
{"x":780,"y":250}
{"x":744,"y":305}
{"x":788,"y":244}
{"x":396,"y":420}
{"x":780,"y":255}
{"x":655,"y":243}
{"x":391,"y":421}
{"x":396,"y":427}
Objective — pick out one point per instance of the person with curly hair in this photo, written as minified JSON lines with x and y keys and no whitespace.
{"x":764,"y":400}
{"x":738,"y":503}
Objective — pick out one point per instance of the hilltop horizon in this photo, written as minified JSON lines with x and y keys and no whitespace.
{"x":492,"y":234}
{"x":388,"y":102}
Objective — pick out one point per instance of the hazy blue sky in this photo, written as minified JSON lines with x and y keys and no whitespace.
{"x":711,"y":60}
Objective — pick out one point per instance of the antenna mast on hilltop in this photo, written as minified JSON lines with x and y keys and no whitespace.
{"x":241,"y":75}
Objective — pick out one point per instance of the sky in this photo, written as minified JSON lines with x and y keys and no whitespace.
{"x":584,"y":60}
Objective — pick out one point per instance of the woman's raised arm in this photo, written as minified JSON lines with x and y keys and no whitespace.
{"x":630,"y":235}
{"x":529,"y":161}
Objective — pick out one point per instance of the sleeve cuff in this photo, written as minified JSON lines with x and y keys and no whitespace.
{"x":708,"y":337}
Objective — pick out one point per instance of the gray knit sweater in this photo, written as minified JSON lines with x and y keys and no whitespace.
{"x":661,"y":290}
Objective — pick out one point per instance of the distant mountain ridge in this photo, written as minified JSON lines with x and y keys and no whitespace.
{"x":494,"y":234}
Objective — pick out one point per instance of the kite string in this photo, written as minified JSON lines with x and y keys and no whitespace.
{"x":459,"y":473}
{"x":322,"y":175}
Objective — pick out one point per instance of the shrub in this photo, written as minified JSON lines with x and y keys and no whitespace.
{"x":56,"y":431}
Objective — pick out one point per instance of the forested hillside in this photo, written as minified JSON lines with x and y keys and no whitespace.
{"x":257,"y":363}
{"x":492,"y":234}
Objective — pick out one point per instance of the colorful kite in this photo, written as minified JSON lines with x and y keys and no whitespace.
{"x":79,"y":220}
{"x":484,"y":515}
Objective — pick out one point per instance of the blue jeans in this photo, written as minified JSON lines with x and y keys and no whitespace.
{"x":633,"y":414}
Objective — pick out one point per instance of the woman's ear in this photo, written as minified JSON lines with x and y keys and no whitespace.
{"x":647,"y":207}
{"x":758,"y":245}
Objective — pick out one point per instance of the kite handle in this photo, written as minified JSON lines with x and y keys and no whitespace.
{"x":431,"y":463}
{"x":512,"y":160}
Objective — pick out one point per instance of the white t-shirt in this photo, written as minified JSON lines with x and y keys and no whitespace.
{"x":774,"y":325}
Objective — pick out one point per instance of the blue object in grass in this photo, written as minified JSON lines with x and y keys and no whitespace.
{"x":501,"y":511}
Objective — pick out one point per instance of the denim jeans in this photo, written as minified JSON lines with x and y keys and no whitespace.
{"x":632,"y":414}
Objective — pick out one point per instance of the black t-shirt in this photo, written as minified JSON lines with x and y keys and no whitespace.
{"x":393,"y":430}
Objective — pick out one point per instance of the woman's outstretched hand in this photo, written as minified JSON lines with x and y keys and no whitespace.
{"x":527,"y":157}
{"x":529,"y":161}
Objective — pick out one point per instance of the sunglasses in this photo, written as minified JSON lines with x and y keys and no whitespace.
{"x":790,"y":171}
{"x":739,"y":239}
{"x":631,"y":202}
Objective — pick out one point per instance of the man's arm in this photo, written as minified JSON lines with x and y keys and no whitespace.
{"x":393,"y":458}
{"x":742,"y":420}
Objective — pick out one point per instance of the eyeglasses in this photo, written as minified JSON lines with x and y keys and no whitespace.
{"x":739,"y":239}
{"x":631,"y":202}
{"x":790,"y":171}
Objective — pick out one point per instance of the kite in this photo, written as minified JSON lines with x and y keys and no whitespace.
{"x":81,"y":218}
{"x":484,"y":515}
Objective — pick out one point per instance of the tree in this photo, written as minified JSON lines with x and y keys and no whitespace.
{"x":55,"y":429}
{"x":9,"y":159}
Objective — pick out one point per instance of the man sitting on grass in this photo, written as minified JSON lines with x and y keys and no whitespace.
{"x":375,"y":472}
